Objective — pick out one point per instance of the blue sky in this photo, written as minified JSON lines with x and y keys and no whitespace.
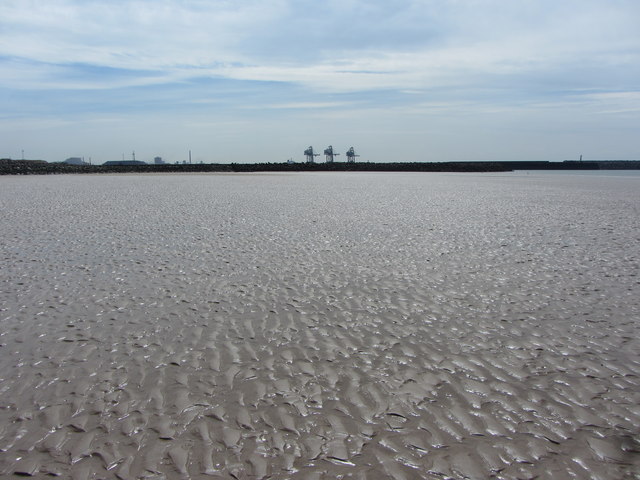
{"x":414,"y":80}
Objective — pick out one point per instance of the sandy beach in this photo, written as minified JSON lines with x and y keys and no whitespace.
{"x":320,"y":326}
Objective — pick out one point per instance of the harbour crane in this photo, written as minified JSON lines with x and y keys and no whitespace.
{"x":328,"y":153}
{"x":351,"y":155}
{"x":309,"y":154}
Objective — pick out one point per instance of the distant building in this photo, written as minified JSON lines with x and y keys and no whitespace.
{"x":158,"y":160}
{"x":75,"y":161}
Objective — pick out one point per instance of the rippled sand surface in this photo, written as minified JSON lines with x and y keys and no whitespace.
{"x":317,"y":326}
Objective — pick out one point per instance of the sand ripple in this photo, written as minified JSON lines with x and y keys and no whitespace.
{"x":320,"y":326}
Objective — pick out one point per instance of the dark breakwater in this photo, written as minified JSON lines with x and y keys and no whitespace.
{"x":38,"y":167}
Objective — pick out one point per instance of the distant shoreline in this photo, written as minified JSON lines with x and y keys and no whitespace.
{"x":36,"y":167}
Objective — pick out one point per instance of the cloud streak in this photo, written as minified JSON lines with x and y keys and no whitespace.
{"x":327,"y":46}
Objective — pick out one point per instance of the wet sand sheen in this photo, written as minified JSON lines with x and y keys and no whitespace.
{"x":320,"y":325}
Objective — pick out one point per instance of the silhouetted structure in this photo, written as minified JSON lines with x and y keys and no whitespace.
{"x":351,"y":155}
{"x":111,"y":163}
{"x":75,"y":161}
{"x":309,"y":154}
{"x":329,"y":154}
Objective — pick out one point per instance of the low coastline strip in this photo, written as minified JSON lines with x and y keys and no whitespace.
{"x":38,"y":167}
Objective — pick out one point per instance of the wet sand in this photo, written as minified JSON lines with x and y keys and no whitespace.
{"x":317,"y":326}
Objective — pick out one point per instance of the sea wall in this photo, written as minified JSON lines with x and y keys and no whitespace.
{"x":39,"y":167}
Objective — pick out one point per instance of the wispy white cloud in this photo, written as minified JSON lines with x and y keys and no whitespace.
{"x":307,"y":105}
{"x":615,"y":102}
{"x":381,"y":44}
{"x":139,"y":34}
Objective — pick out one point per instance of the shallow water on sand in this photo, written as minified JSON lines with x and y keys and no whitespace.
{"x":320,"y":326}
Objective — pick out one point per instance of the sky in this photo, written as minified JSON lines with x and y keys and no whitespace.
{"x":261,"y":80}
